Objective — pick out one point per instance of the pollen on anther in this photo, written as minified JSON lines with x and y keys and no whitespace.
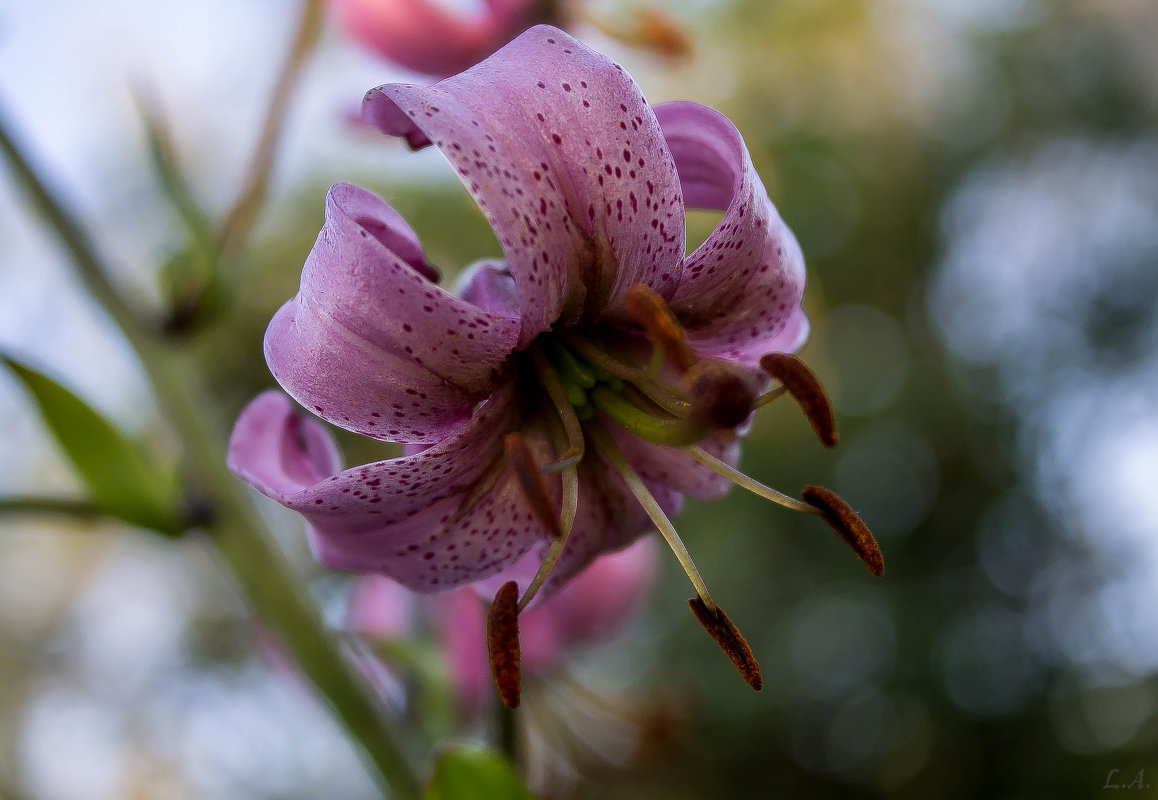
{"x":848,"y":524}
{"x":503,"y":644}
{"x":730,"y":640}
{"x":806,"y":389}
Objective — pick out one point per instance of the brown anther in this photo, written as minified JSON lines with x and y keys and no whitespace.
{"x":721,"y":392}
{"x":848,"y":524}
{"x":530,"y":479}
{"x":503,"y":644}
{"x":651,"y":311}
{"x":730,"y":640}
{"x":806,"y":389}
{"x":659,"y":32}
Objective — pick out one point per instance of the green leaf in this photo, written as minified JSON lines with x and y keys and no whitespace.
{"x":472,"y":773}
{"x":121,"y":478}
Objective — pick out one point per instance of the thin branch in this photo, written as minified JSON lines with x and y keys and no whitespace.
{"x":243,"y":214}
{"x":92,"y":271}
{"x":60,"y":506}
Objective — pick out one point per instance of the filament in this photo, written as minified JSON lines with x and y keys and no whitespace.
{"x":609,"y":450}
{"x":558,"y":394}
{"x":740,"y":479}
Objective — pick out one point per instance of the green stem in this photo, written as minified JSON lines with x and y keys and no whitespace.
{"x":275,"y":594}
{"x":63,"y":506}
{"x":92,"y":272}
{"x":243,"y":214}
{"x":508,"y":734}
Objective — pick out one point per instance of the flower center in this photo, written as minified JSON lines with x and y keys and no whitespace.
{"x":670,"y":396}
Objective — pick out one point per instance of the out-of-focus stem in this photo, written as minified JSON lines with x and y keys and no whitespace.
{"x":243,"y":214}
{"x":274,"y":593}
{"x":62,"y":506}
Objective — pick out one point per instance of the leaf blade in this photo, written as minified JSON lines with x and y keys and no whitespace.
{"x":121,"y":478}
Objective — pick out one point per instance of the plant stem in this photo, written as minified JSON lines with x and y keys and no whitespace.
{"x":243,"y":214}
{"x":508,"y":723}
{"x":274,"y":593}
{"x":62,"y":506}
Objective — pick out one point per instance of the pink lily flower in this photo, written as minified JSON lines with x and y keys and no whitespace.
{"x":590,"y":609}
{"x":566,"y":399}
{"x":428,"y":38}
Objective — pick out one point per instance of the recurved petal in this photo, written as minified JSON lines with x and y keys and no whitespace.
{"x":278,"y":450}
{"x":369,"y":343}
{"x":563,"y":154}
{"x":489,"y":285}
{"x":745,"y":280}
{"x":444,"y":517}
{"x":767,"y":317}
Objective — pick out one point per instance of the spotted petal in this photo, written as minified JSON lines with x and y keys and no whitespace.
{"x":370,"y":343}
{"x":742,"y":286}
{"x":563,"y":154}
{"x":444,"y":517}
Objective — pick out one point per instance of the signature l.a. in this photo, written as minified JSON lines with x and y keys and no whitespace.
{"x":1139,"y":781}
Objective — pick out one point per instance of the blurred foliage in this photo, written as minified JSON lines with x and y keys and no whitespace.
{"x":474,"y":774}
{"x":863,"y":118}
{"x":122,"y":479}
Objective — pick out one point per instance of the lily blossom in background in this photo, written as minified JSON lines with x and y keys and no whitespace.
{"x":562,"y":403}
{"x":429,"y":38}
{"x":590,"y":609}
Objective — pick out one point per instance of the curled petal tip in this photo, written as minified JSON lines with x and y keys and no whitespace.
{"x":848,"y":524}
{"x":806,"y":389}
{"x":730,"y":640}
{"x":503,"y":644}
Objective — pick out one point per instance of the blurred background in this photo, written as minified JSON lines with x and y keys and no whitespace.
{"x":975,"y":187}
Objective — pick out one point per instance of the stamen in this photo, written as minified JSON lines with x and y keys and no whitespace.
{"x":659,"y":32}
{"x":566,"y":522}
{"x":531,"y":481}
{"x":661,"y":394}
{"x":740,"y":479}
{"x":610,"y":451}
{"x":730,"y":640}
{"x":569,"y":459}
{"x":558,"y":394}
{"x":721,"y":392}
{"x":669,"y":398}
{"x":596,"y":356}
{"x":806,"y":389}
{"x":647,"y":426}
{"x":849,"y":525}
{"x":651,"y":311}
{"x":570,"y":368}
{"x":651,"y":29}
{"x":771,"y":395}
{"x":566,"y":519}
{"x":503,"y":644}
